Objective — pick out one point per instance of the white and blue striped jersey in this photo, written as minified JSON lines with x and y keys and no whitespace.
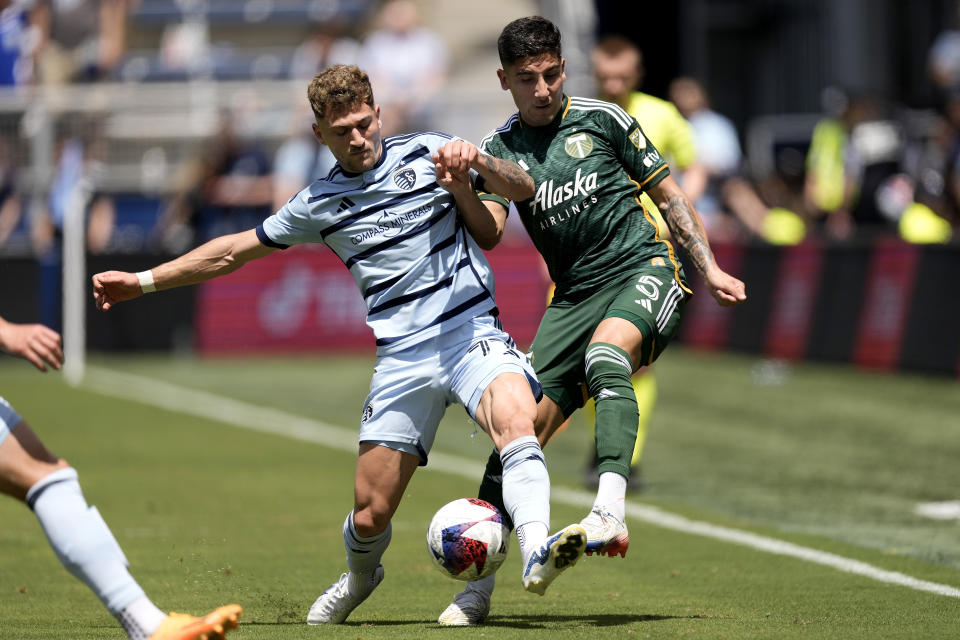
{"x":397,"y":231}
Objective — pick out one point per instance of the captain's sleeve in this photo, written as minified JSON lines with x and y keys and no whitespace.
{"x":490,"y":146}
{"x":292,"y":224}
{"x":639,"y":157}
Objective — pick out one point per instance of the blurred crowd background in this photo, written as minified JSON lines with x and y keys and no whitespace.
{"x":168,"y":122}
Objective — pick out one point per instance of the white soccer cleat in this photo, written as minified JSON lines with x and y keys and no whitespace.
{"x":336,"y":603}
{"x":559,"y":552}
{"x":469,"y":607}
{"x":606,"y":534}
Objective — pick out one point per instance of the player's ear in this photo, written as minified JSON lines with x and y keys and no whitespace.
{"x":503,"y":79}
{"x":376,"y":109}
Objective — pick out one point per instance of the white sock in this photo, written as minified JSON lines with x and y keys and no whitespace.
{"x":363,"y":554}
{"x":611,"y":494}
{"x":483,"y":585}
{"x":526,"y":491}
{"x":82,"y":540}
{"x":531,"y":536}
{"x":140,"y":618}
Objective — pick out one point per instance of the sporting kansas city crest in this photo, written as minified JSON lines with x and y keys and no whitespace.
{"x":405,"y":178}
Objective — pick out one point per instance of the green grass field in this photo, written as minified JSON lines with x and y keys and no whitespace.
{"x":827,"y":458}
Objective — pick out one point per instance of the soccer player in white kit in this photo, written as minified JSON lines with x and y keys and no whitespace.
{"x":80,"y":538}
{"x":399,"y":213}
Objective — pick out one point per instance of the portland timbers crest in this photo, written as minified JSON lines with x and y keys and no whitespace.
{"x":579,"y":145}
{"x":405,"y":178}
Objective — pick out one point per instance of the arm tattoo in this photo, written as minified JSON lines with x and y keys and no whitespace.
{"x":689,"y":232}
{"x":505,"y":170}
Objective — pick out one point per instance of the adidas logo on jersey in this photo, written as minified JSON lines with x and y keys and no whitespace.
{"x":549,"y":196}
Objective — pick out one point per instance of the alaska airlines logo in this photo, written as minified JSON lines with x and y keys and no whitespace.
{"x":579,"y":145}
{"x":550,"y":195}
{"x":405,"y":178}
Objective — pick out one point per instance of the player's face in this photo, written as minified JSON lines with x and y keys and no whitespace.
{"x":616,"y":75}
{"x":536,"y":85}
{"x":353,"y":137}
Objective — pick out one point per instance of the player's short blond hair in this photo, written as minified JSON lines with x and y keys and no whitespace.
{"x":339,"y":89}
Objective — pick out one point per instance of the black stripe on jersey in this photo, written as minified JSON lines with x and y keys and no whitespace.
{"x":505,"y":127}
{"x":347,"y":221}
{"x":419,"y":152}
{"x":416,"y":295}
{"x":265,"y":239}
{"x":386,"y":284}
{"x":392,"y":141}
{"x":462,"y":230}
{"x":434,"y":219}
{"x":443,"y":317}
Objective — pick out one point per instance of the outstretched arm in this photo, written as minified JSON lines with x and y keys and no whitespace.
{"x":685,"y":225}
{"x":217,"y":257}
{"x":34,"y":342}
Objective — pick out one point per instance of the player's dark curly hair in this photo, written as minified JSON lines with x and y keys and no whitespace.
{"x":339,"y":89}
{"x":528,"y":38}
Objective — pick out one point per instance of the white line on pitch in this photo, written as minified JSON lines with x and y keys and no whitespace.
{"x":947,"y":510}
{"x":172,"y":397}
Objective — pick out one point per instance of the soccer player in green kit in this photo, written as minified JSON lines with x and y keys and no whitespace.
{"x":620,"y":290}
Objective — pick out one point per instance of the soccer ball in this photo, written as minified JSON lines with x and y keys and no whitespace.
{"x":467,"y":539}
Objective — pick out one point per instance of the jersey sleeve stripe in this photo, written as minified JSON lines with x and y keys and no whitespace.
{"x":505,"y":127}
{"x":613,"y":110}
{"x":265,"y":239}
{"x":652,"y":176}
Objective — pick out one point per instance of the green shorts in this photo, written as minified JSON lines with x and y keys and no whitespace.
{"x":651,"y":298}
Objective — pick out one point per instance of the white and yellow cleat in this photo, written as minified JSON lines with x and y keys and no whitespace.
{"x":557,"y":554}
{"x":213,"y":626}
{"x":469,"y":608}
{"x":340,"y":599}
{"x":606,"y":534}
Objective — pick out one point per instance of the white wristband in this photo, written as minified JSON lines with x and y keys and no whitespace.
{"x":146,"y":281}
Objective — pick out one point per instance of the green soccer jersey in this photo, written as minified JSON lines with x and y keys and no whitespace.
{"x":590,"y":166}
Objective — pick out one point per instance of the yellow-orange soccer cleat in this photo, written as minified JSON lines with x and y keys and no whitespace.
{"x":213,"y":626}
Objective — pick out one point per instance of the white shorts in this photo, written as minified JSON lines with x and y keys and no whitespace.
{"x":412,"y":388}
{"x":9,"y":418}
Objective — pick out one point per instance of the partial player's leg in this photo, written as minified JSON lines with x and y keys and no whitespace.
{"x":398,"y":425}
{"x":381,"y":478}
{"x":507,"y":412}
{"x":608,"y":364}
{"x":640,"y":321}
{"x":83,"y":542}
